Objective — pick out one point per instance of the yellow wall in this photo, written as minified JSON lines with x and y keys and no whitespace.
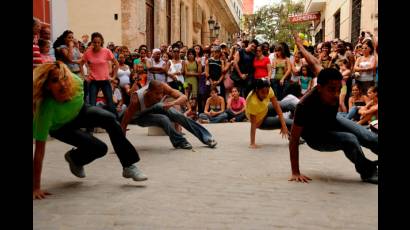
{"x":86,"y":17}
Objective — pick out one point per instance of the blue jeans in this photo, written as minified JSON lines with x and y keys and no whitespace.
{"x":216,"y":119}
{"x":156,"y":115}
{"x":349,"y":137}
{"x":271,"y":120}
{"x":238,"y":117}
{"x":89,"y":147}
{"x":353,"y":113}
{"x":105,"y":86}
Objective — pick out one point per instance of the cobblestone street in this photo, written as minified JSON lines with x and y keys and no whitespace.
{"x":230,"y":187}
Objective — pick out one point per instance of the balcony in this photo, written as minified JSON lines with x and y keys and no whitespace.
{"x":314,"y":5}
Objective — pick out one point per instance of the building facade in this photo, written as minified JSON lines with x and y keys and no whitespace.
{"x":343,"y":19}
{"x":150,"y":22}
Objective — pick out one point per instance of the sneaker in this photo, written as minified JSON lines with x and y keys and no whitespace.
{"x":134,"y":172}
{"x":77,"y":170}
{"x":184,"y":145}
{"x":374,"y":178}
{"x":211,"y":143}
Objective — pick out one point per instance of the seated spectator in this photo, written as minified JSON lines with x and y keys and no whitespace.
{"x":369,"y":112}
{"x":236,"y":106}
{"x":214,"y":108}
{"x":355,"y":102}
{"x":192,"y":110}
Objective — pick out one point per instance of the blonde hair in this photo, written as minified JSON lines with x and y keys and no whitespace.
{"x":41,"y":74}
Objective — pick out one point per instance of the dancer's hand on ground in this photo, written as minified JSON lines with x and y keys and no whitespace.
{"x":39,"y":194}
{"x":284,"y":132}
{"x":299,"y":178}
{"x":254,"y":146}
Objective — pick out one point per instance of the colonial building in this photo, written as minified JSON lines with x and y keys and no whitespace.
{"x":150,"y":22}
{"x":343,"y":19}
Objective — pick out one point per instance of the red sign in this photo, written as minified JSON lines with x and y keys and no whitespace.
{"x":305,"y":17}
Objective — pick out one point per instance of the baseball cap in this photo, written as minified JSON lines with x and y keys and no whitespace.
{"x":223,"y":44}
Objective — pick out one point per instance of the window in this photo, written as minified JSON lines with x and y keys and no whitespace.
{"x":150,"y":23}
{"x":169,"y":21}
{"x":337,"y":24}
{"x":356,"y":13}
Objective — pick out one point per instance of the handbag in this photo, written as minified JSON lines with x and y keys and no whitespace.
{"x":228,"y":83}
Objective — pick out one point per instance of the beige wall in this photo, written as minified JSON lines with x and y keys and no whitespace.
{"x":86,"y":17}
{"x":368,"y":19}
{"x":130,"y":28}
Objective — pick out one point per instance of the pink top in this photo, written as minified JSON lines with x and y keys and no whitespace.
{"x":237,"y":105}
{"x":98,"y":63}
{"x":260,"y":67}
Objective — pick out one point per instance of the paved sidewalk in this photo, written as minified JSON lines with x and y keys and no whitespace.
{"x":230,"y":187}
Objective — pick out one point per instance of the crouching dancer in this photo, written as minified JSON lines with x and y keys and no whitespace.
{"x":147,"y":108}
{"x":59,"y":110}
{"x":316,"y":120}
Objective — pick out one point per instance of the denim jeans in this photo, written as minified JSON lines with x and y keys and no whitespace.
{"x":271,"y":120}
{"x":89,"y":147}
{"x":349,"y":137}
{"x":156,"y":115}
{"x":238,"y":117}
{"x":105,"y":86}
{"x":353,"y":113}
{"x":216,"y":119}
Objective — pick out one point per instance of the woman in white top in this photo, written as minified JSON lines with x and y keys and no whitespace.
{"x":366,"y":66}
{"x":124,"y":74}
{"x":175,"y":71}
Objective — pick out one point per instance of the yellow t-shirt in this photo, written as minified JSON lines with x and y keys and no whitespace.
{"x":256,"y":107}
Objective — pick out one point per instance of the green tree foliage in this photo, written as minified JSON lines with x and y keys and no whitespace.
{"x":272,"y":21}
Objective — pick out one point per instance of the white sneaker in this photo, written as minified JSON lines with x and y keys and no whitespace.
{"x":134,"y":172}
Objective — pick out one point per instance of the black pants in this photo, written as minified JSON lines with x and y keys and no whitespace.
{"x":89,"y":147}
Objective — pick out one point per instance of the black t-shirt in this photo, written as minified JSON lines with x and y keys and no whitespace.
{"x":215,"y":69}
{"x":313,"y":115}
{"x":246,"y":61}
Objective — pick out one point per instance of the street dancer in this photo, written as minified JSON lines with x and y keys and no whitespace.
{"x":59,"y":110}
{"x":147,"y":108}
{"x":316,"y":120}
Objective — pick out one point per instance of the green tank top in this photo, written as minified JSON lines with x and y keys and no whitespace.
{"x":192,"y":67}
{"x":279,"y":71}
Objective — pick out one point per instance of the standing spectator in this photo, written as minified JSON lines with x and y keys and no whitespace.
{"x":45,"y":34}
{"x":242,"y":74}
{"x":203,"y":83}
{"x":213,"y":70}
{"x":84,"y":40}
{"x":142,"y":60}
{"x":236,"y":106}
{"x":36,"y":49}
{"x":124,"y":75}
{"x":214,"y":108}
{"x":193,"y":70}
{"x":324,"y":58}
{"x":175,"y":71}
{"x":98,"y":59}
{"x":283,"y":70}
{"x":366,"y":66}
{"x":305,"y":79}
{"x":66,"y":51}
{"x":45,"y":51}
{"x":157,"y":67}
{"x":344,"y":68}
{"x":261,"y":64}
